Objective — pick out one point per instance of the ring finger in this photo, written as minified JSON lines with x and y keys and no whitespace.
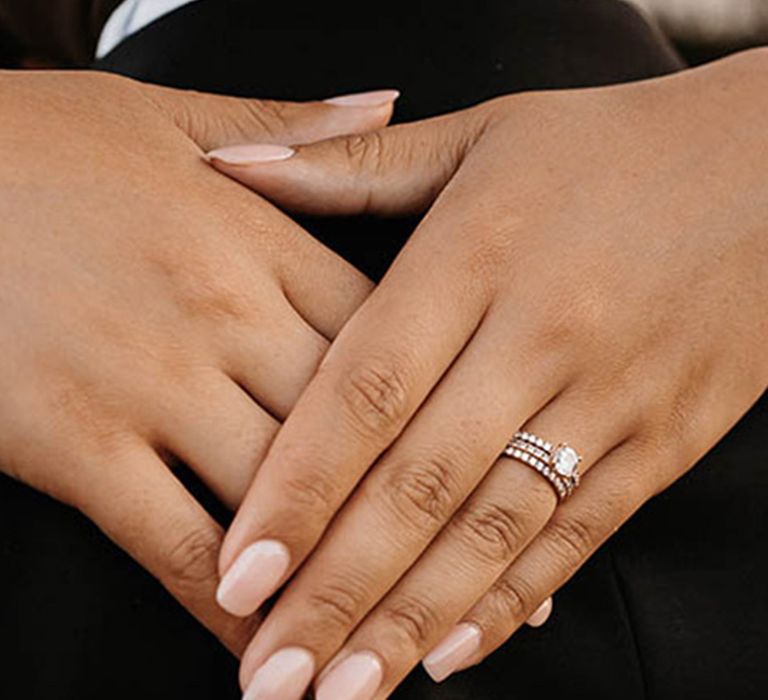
{"x":510,"y":506}
{"x":610,"y":496}
{"x":487,"y":534}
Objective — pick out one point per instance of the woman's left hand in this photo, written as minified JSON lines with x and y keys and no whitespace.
{"x":592,"y":270}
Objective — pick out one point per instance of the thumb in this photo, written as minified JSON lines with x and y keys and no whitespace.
{"x":395,"y":171}
{"x":213,"y":121}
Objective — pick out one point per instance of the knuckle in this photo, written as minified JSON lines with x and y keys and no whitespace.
{"x":581,"y":317}
{"x":495,"y":531}
{"x":337,"y":606}
{"x":413,"y":618}
{"x":198,"y":290}
{"x":571,"y":537}
{"x":422,"y":494}
{"x":269,"y":116}
{"x":512,"y":598}
{"x":192,"y":561}
{"x":553,"y":332}
{"x":571,"y":319}
{"x":376,"y":397}
{"x":365,"y":151}
{"x":312,"y":492}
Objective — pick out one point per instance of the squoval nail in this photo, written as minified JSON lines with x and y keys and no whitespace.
{"x":254,"y":577}
{"x":374,"y":98}
{"x":358,"y":677}
{"x":541,"y":614}
{"x":453,"y":652}
{"x":284,"y":676}
{"x":250,"y":153}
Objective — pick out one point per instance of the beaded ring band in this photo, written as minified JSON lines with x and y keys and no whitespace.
{"x":558,"y":464}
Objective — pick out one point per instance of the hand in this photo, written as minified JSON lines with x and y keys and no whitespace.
{"x":149,"y":306}
{"x":592,"y":268}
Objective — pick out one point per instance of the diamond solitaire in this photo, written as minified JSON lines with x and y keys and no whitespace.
{"x":565,"y":460}
{"x":558,"y":465}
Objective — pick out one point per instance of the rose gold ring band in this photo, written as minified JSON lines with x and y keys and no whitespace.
{"x":558,"y":464}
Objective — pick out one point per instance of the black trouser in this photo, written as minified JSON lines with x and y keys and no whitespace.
{"x":674,"y":606}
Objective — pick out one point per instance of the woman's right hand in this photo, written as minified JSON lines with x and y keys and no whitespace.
{"x":151,"y":307}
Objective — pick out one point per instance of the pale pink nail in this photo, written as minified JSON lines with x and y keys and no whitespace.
{"x":453,"y":652}
{"x":250,"y":153}
{"x":541,"y":614}
{"x":254,"y":577}
{"x":358,"y":677}
{"x":375,"y":98}
{"x":286,"y":675}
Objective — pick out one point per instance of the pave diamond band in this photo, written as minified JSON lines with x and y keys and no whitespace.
{"x":558,"y":464}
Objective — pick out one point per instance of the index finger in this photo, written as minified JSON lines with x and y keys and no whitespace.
{"x":376,"y":375}
{"x":146,"y":511}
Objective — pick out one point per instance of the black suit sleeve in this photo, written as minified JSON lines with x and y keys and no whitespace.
{"x":62,"y":31}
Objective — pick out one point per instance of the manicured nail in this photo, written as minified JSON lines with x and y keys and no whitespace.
{"x":541,"y":614}
{"x":254,"y":577}
{"x":376,"y":98}
{"x":453,"y":652}
{"x":250,"y":153}
{"x":358,"y":677}
{"x":284,"y":676}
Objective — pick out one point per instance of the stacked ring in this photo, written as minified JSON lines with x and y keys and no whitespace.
{"x":558,"y":464}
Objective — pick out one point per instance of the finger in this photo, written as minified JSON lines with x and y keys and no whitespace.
{"x":414,"y":490}
{"x":311,"y":281}
{"x":405,"y":501}
{"x":618,"y":486}
{"x":213,"y":121}
{"x":222,"y":428}
{"x":431,"y":598}
{"x":399,"y":170}
{"x":272,"y":358}
{"x":477,"y":546}
{"x":503,"y":515}
{"x":611,"y":493}
{"x":216,"y":429}
{"x":382,"y":367}
{"x":138,"y":503}
{"x":323,"y":288}
{"x":541,"y":614}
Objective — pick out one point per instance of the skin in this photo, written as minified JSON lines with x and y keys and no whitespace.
{"x":153,"y":311}
{"x":591,"y":267}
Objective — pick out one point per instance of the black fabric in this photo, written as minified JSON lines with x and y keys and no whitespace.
{"x":440,"y":55}
{"x":63,"y":31}
{"x":675,"y":606}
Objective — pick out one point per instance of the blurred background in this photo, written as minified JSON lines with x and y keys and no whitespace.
{"x":707,"y":29}
{"x":701,"y":29}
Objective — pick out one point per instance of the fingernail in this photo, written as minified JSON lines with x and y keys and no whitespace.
{"x":253,"y":578}
{"x":375,"y":98}
{"x":249,"y":153}
{"x":358,"y":677}
{"x":453,"y":652}
{"x":284,"y":676}
{"x":541,"y":614}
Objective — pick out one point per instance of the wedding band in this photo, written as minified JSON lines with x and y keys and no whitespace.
{"x":558,"y":464}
